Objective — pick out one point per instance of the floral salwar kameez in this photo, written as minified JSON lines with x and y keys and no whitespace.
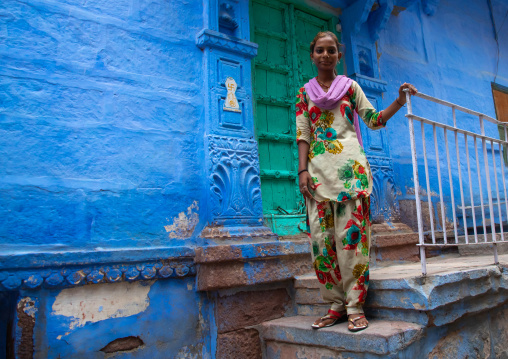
{"x":339,"y":216}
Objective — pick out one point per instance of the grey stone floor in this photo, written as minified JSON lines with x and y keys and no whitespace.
{"x":437,"y":266}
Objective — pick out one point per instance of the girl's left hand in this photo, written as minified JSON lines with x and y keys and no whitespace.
{"x":402,"y":94}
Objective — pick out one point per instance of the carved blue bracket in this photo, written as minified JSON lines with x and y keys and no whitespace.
{"x":352,"y":19}
{"x":379,"y":18}
{"x":211,"y":38}
{"x":227,"y":21}
{"x":356,"y":14}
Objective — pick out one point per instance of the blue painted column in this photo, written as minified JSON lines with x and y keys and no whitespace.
{"x":234,"y":194}
{"x":360,"y":30}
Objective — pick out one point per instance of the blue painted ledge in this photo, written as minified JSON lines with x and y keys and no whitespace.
{"x":211,"y":38}
{"x":370,"y":83}
{"x":52,"y":269}
{"x":237,"y":265}
{"x":259,"y":262}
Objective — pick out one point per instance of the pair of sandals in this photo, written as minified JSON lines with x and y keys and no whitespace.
{"x":340,"y":317}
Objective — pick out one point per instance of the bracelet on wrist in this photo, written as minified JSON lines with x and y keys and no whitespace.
{"x":304,"y":170}
{"x":401,"y":105}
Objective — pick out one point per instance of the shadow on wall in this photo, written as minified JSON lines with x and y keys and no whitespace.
{"x":8,"y":305}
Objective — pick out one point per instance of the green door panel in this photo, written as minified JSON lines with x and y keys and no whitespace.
{"x":283,"y":34}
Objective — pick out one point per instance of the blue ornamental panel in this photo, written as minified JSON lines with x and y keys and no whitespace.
{"x":235,"y":192}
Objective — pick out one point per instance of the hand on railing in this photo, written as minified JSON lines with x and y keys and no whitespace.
{"x":404,"y":88}
{"x":399,"y":102}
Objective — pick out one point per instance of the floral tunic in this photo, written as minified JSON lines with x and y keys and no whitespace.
{"x":337,"y":162}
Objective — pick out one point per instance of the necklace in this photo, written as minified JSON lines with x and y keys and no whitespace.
{"x":322,"y":84}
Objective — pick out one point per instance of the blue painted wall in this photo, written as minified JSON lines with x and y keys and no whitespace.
{"x":100,"y":123}
{"x":450,"y":55}
{"x":175,"y":322}
{"x":102,"y":128}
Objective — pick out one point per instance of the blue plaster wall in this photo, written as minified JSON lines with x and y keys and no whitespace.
{"x":175,"y":324}
{"x":450,"y":55}
{"x":100,"y":122}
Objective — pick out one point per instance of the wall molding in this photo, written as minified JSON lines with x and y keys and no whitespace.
{"x":370,"y":83}
{"x":107,"y":273}
{"x":211,"y":38}
{"x":74,"y":268}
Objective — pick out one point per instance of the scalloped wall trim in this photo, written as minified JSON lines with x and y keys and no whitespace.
{"x":30,"y":270}
{"x":370,"y":83}
{"x":92,"y":274}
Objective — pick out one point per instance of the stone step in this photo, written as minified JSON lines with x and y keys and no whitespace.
{"x":293,"y":337}
{"x":399,"y":292}
{"x":399,"y":247}
{"x":397,"y":243}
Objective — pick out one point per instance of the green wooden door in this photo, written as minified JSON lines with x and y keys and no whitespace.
{"x":283,"y":32}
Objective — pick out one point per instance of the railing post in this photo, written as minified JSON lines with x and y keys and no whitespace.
{"x":489,"y":190}
{"x":417,"y":185}
{"x":427,"y":181}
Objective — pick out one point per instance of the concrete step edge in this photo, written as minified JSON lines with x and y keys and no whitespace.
{"x":383,"y":337}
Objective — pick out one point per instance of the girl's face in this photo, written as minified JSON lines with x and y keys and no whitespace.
{"x":325,"y":55}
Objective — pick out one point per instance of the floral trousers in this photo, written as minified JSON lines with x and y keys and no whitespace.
{"x":340,"y":238}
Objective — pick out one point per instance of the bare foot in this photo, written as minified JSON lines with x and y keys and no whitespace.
{"x":359,"y":323}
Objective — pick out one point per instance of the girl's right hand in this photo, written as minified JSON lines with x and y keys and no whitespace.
{"x":306,"y":182}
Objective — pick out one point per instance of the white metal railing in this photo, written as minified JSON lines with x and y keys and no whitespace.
{"x":431,"y":236}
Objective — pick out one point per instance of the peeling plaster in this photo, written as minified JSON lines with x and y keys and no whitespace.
{"x":28,"y":306}
{"x":190,"y":352}
{"x":95,"y":303}
{"x":184,"y":224}
{"x":26,"y":309}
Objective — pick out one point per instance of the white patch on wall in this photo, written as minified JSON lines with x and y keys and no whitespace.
{"x":93,"y":303}
{"x":184,"y":224}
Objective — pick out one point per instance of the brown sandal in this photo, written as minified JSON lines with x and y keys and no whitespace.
{"x":355,"y":327}
{"x":336,"y":316}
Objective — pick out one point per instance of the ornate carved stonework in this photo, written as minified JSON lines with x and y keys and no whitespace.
{"x":210,"y":38}
{"x":227,"y":18}
{"x":235,"y":191}
{"x":70,"y":276}
{"x":368,"y":83}
{"x":384,"y":205}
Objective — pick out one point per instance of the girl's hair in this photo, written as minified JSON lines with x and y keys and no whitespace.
{"x":322,"y":34}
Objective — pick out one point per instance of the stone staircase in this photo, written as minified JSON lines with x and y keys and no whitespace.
{"x":408,"y":313}
{"x":291,"y":338}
